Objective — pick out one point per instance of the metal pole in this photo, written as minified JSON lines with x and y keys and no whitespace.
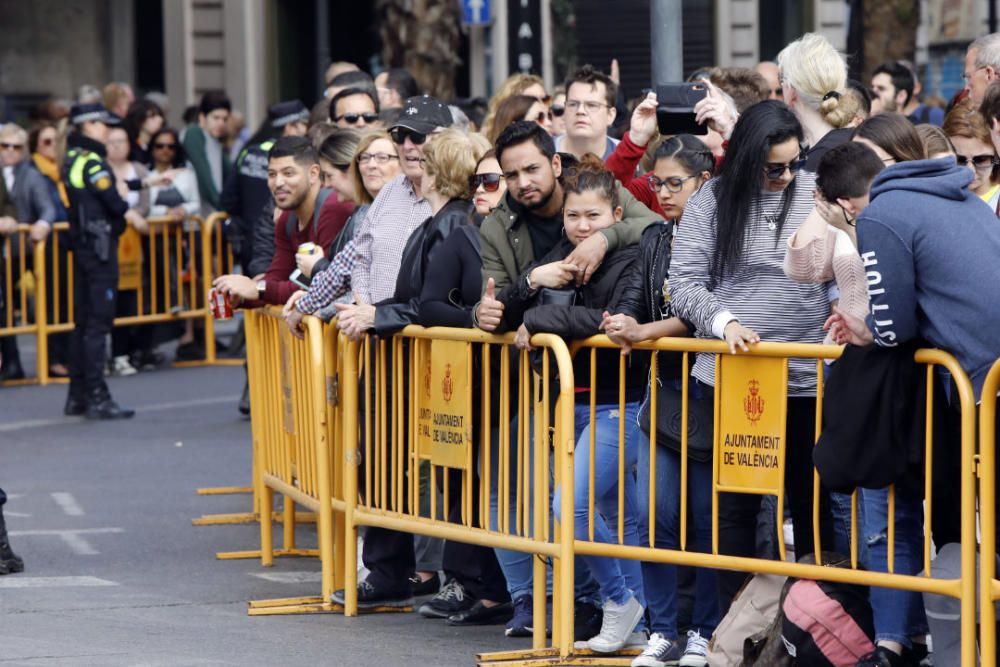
{"x":992,"y":18}
{"x":322,"y":10}
{"x":666,"y":41}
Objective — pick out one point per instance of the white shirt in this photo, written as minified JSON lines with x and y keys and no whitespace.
{"x":8,"y":177}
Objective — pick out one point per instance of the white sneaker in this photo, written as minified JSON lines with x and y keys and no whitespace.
{"x":120,"y":367}
{"x":659,"y":652}
{"x":616,"y":628}
{"x":696,"y":651}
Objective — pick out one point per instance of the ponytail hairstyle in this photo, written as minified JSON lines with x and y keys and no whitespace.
{"x":589,"y":175}
{"x":689,"y":152}
{"x":741,"y":180}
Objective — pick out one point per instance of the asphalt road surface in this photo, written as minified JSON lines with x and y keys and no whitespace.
{"x":117,"y":575}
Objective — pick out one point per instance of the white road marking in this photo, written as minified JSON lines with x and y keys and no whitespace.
{"x":68,"y":503}
{"x":289,"y":577}
{"x":153,"y":407}
{"x":73,"y":538}
{"x":8,"y":514}
{"x":18,"y":581}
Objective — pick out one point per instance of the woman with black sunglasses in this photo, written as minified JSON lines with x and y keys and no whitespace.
{"x":727,"y":280}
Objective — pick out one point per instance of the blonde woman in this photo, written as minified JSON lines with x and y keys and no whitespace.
{"x":813,"y":79}
{"x":516,"y":84}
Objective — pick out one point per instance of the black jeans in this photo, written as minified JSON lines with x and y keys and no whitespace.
{"x":738,"y":511}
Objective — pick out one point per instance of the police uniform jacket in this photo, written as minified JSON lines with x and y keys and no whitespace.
{"x":91,"y":186}
{"x":246,"y":194}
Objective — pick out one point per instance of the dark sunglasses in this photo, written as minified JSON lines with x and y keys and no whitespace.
{"x":558,"y":111}
{"x":352,"y":118}
{"x":400,"y":134}
{"x":542,"y":117}
{"x":776,"y":171}
{"x":46,"y":142}
{"x":167,"y":146}
{"x":16,"y":147}
{"x":490,"y":182}
{"x":983,"y":161}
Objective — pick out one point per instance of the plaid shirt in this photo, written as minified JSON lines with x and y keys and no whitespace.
{"x":328,"y":285}
{"x":395,"y":213}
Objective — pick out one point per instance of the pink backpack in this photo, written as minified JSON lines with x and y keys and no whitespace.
{"x":827,"y":624}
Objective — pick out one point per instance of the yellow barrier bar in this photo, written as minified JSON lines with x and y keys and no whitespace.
{"x":988,"y":585}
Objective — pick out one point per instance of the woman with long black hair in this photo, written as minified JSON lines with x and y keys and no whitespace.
{"x":727,"y":280}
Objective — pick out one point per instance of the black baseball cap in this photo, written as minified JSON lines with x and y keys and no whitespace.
{"x":86,"y":113}
{"x":423,"y":114}
{"x":286,"y":113}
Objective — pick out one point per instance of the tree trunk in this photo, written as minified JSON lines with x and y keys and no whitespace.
{"x":890,"y":32}
{"x":424,"y":37}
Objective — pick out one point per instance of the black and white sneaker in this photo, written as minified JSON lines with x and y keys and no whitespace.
{"x":659,"y":652}
{"x":371,"y":596}
{"x":451,"y":599}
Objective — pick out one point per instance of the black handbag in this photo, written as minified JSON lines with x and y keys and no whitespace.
{"x":701,"y":420}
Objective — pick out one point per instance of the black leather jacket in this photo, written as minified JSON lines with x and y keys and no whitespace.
{"x":402,"y":309}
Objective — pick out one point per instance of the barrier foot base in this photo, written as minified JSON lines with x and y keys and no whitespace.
{"x":223,"y":490}
{"x":248,"y":517}
{"x":239,"y":555}
{"x":304,"y":605}
{"x":549,"y":657}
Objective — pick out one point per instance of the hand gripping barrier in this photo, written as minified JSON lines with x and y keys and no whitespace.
{"x":169,"y":269}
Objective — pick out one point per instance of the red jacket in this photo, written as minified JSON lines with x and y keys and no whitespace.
{"x":322,"y":231}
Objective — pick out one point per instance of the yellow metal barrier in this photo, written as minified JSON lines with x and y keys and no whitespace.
{"x":293,"y":453}
{"x":989,"y":586}
{"x":423,"y":397}
{"x":962,"y":588}
{"x":166,"y":288}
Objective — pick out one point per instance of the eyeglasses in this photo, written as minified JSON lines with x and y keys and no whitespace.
{"x":776,"y":171}
{"x":399,"y":136}
{"x":542,"y":117}
{"x":380,"y":158}
{"x":169,"y":147}
{"x":352,"y":118}
{"x":12,"y":147}
{"x":979,"y":162}
{"x":672,"y":183}
{"x":589,"y":105}
{"x":966,"y":77}
{"x":490,"y":182}
{"x":558,"y":111}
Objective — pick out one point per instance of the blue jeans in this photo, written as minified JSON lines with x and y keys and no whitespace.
{"x":840,"y":508}
{"x":517,"y":566}
{"x":899,"y":615}
{"x":618,"y":579}
{"x":660,"y":579}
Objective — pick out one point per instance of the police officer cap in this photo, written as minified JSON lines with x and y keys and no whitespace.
{"x":285,"y":113}
{"x":86,"y":113}
{"x":423,"y":114}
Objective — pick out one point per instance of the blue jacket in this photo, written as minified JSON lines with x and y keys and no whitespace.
{"x":931,"y":250}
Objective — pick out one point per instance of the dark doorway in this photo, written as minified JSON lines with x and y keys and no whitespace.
{"x":150,"y":69}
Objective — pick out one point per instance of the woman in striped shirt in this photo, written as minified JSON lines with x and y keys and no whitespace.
{"x":727,"y":280}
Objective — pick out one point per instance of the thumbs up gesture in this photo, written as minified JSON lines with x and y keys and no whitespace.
{"x":489,"y":311}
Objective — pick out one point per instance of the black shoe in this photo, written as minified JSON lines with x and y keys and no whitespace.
{"x":450,"y":600}
{"x":882,"y":657}
{"x":244,"y":406}
{"x":587,"y":621}
{"x":421,"y":588}
{"x":189,"y":352}
{"x":107,"y":409}
{"x":9,"y":561}
{"x":480,"y":614}
{"x":146,"y":360}
{"x":370,"y":596}
{"x":11,"y":370}
{"x":75,"y":406}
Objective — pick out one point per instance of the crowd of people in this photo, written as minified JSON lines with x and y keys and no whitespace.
{"x":811,"y":208}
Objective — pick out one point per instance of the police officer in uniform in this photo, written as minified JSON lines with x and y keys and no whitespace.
{"x":97,"y":217}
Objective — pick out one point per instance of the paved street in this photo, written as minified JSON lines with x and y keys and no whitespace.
{"x":117,"y":575}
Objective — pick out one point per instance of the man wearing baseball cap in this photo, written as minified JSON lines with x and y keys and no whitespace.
{"x":97,"y":217}
{"x":396,"y":212}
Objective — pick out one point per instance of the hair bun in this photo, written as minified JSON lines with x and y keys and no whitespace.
{"x":833,"y":94}
{"x":590,"y":162}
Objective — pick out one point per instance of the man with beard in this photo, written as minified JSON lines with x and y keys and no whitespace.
{"x":893,"y":84}
{"x":528,"y":222}
{"x":309,"y":214}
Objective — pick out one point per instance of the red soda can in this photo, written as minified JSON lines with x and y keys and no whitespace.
{"x":221,"y":308}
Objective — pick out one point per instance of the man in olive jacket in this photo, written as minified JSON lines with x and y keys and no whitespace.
{"x":528,"y":222}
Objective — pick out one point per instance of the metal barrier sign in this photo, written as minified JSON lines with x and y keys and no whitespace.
{"x":752,"y":406}
{"x":444,"y":421}
{"x":129,"y":260}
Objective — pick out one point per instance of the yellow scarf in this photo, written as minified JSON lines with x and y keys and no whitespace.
{"x":50,"y":169}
